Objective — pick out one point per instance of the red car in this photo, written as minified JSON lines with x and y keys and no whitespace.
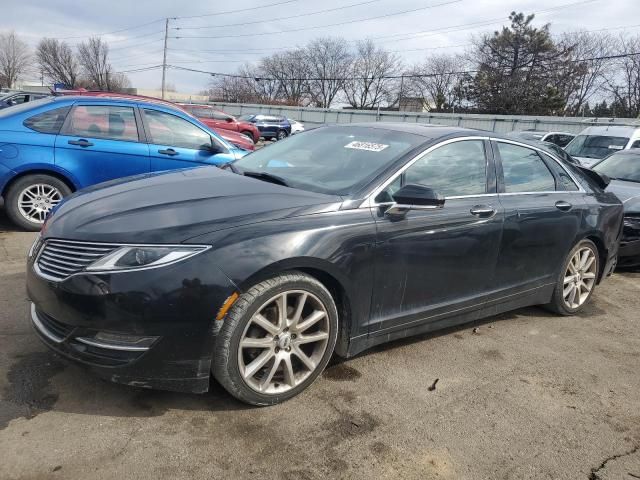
{"x":238,"y":139}
{"x":217,"y":120}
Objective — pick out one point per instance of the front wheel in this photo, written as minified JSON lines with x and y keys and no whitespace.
{"x":577,"y":279}
{"x":276,"y":339}
{"x":31,"y":198}
{"x":282,"y":134}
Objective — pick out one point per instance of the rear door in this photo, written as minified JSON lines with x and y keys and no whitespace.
{"x":175,"y":142}
{"x":543,"y":208}
{"x":100,"y":142}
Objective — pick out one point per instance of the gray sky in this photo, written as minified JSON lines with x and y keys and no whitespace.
{"x":142,"y":46}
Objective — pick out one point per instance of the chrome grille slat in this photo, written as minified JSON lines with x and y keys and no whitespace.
{"x":58,"y":259}
{"x":62,"y":260}
{"x":72,"y":252}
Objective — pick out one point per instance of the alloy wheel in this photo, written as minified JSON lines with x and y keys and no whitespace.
{"x":580,"y":277}
{"x":37,"y":200}
{"x":283,"y":342}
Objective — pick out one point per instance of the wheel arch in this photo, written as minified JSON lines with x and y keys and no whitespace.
{"x":329,"y":277}
{"x":39,"y":171}
{"x":602,"y":252}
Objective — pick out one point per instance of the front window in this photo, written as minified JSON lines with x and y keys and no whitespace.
{"x":167,"y":129}
{"x":336,"y":160}
{"x":596,"y":146}
{"x":622,"y":166}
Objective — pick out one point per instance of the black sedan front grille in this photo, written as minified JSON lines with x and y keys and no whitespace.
{"x":59,"y":259}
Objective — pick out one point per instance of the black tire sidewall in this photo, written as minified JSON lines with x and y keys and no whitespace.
{"x":18,"y":186}
{"x":226,"y":369}
{"x":249,"y":134}
{"x":281,"y":135}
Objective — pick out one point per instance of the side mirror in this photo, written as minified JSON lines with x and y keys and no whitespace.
{"x":414,"y":197}
{"x":418,"y":195}
{"x":213,"y":148}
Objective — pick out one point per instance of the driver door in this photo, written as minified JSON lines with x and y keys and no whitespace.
{"x":177,"y":143}
{"x":435,"y":261}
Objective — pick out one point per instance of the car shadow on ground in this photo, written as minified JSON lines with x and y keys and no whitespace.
{"x":42,"y":381}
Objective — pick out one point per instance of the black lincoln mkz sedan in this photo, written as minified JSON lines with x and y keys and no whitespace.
{"x":334,"y":240}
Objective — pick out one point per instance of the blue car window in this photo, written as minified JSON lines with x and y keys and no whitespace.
{"x":167,"y":129}
{"x":104,"y":121}
{"x":47,"y":122}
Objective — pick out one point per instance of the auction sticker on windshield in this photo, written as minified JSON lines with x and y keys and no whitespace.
{"x":370,"y":147}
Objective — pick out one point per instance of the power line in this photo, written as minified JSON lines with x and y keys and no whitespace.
{"x":236,"y":11}
{"x":109,"y":33}
{"x":326,"y":25}
{"x":279,"y":18}
{"x":385,"y":77}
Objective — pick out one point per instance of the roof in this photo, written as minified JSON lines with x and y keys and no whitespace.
{"x":611,"y":130}
{"x":426,"y":130}
{"x":120,"y":98}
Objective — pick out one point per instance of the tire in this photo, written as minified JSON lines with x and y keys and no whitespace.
{"x":575,"y":279}
{"x":26,"y":190}
{"x":271,"y":383}
{"x":249,"y":134}
{"x":281,"y":135}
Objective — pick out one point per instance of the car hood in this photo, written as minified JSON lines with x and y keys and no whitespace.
{"x":171,"y":207}
{"x":628,"y":193}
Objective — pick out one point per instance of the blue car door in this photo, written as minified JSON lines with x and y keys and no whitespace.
{"x":101,"y":141}
{"x":175,"y":142}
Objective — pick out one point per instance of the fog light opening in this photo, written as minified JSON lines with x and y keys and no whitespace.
{"x":117,"y":341}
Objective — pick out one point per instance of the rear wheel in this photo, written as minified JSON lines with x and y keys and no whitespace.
{"x":31,"y":198}
{"x":577,"y":279}
{"x":276,"y":339}
{"x":249,"y":134}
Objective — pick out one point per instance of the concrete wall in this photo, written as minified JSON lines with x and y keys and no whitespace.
{"x":495,"y":123}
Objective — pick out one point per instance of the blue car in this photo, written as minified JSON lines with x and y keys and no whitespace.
{"x":271,"y":126}
{"x":54,"y":146}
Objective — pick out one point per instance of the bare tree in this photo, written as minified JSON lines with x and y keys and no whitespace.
{"x":15,"y":58}
{"x":329,"y":60}
{"x":438,"y":81}
{"x":586,"y":72}
{"x":93,"y":56}
{"x":290,"y":70}
{"x":370,"y":85}
{"x":625,"y":84}
{"x":57,"y":62}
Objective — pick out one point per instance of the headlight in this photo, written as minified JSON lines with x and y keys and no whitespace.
{"x":136,"y":257}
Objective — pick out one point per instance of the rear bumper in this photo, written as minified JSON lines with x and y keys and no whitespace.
{"x":629,"y":253}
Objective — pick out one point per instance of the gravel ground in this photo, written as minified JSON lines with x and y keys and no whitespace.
{"x":530,"y":395}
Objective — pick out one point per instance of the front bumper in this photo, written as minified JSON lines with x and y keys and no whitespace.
{"x":176,"y":304}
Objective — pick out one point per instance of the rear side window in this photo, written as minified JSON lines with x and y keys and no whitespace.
{"x":636,"y":144}
{"x":47,"y":122}
{"x":565,"y":182}
{"x":103,"y":121}
{"x":524,"y":170}
{"x":455,"y":169}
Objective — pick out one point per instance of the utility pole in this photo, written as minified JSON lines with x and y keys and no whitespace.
{"x":164,"y":56}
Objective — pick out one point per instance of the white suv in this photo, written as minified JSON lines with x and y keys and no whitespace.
{"x":596,"y":143}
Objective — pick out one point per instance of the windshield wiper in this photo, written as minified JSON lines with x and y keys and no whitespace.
{"x":229,"y":165}
{"x":269,"y":177}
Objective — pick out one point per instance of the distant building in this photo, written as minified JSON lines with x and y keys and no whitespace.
{"x":413,"y":104}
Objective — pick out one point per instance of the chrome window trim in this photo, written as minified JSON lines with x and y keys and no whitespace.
{"x":540,"y":150}
{"x":370,"y":202}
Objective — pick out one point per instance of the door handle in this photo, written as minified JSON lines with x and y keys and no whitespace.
{"x":169,"y":151}
{"x":483,"y":211}
{"x":81,"y":143}
{"x":564,"y":206}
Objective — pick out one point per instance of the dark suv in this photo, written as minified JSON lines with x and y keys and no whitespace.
{"x":271,"y":126}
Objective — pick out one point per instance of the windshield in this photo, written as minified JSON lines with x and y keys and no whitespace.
{"x":336,"y":160}
{"x":595,"y":146}
{"x":622,"y":166}
{"x":245,"y":118}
